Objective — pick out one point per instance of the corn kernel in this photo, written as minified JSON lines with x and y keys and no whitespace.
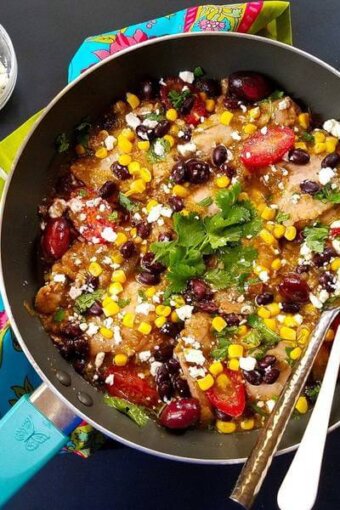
{"x":302,"y":405}
{"x":287,"y":333}
{"x":133,"y":232}
{"x":295,"y":353}
{"x":303,"y":119}
{"x":115,"y":288}
{"x":95,"y":269}
{"x":160,"y":321}
{"x":206,"y":382}
{"x":242,"y":330}
{"x":170,"y":139}
{"x":268,"y":213}
{"x":163,"y":310}
{"x":129,"y":134}
{"x":174,"y":317}
{"x":151,"y":291}
{"x":171,"y":114}
{"x":80,"y":149}
{"x":335,"y":265}
{"x":303,"y":335}
{"x":290,"y":321}
{"x":124,"y":159}
{"x":144,"y":328}
{"x":145,"y":174}
{"x":121,"y":238}
{"x":319,"y":148}
{"x":225,"y":427}
{"x":137,"y":186}
{"x":249,"y":129}
{"x":120,"y":360}
{"x":118,"y":276}
{"x":132,"y":99}
{"x":124,"y":145}
{"x":319,"y":137}
{"x":210,"y":105}
{"x":279,"y":231}
{"x":106,"y":333}
{"x":330,"y":335}
{"x":270,"y":226}
{"x":117,"y":258}
{"x":226,"y":118}
{"x":111,"y":309}
{"x":300,"y":145}
{"x":254,"y":113}
{"x":276,"y":264}
{"x":218,"y":323}
{"x":151,"y":204}
{"x":274,"y":309}
{"x":134,"y":167}
{"x":222,"y":182}
{"x":331,"y":143}
{"x":129,"y":319}
{"x":263,"y":313}
{"x":234,"y":364}
{"x":247,"y":424}
{"x":143,"y":145}
{"x":185,"y":212}
{"x":235,"y":351}
{"x":270,"y":323}
{"x":222,"y":381}
{"x":179,"y":301}
{"x":267,"y":237}
{"x":216,"y":368}
{"x":174,"y":130}
{"x":180,"y":191}
{"x":290,"y":233}
{"x":101,"y":153}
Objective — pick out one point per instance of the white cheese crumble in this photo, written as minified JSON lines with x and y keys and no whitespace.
{"x":92,"y":329}
{"x":264,"y":130}
{"x":247,"y":363}
{"x":154,"y":366}
{"x":264,"y":276}
{"x":83,"y":326}
{"x":284,"y":104}
{"x":270,"y":405}
{"x":189,"y":340}
{"x":332,"y":126}
{"x":326,"y":175}
{"x":196,"y":372}
{"x":110,"y":379}
{"x":59,"y":278}
{"x":150,"y":123}
{"x":194,"y":356}
{"x":315,"y":300}
{"x":187,"y":76}
{"x":184,"y":312}
{"x":235,"y":135}
{"x":132,"y":120}
{"x":108,"y":234}
{"x":144,"y":356}
{"x":145,"y":308}
{"x":76,"y":205}
{"x":117,"y":337}
{"x":159,"y":149}
{"x":186,"y":149}
{"x":74,"y":292}
{"x":109,"y":142}
{"x":99,"y":359}
{"x":295,"y":198}
{"x":57,"y":208}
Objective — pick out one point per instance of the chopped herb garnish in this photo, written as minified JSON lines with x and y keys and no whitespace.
{"x":82,"y":133}
{"x":315,"y":237}
{"x":85,"y":301}
{"x":62,"y":143}
{"x":289,"y":360}
{"x":141,"y":294}
{"x":127,"y":203}
{"x":122,"y":303}
{"x":198,"y":72}
{"x":277,"y":94}
{"x":252,"y":339}
{"x":281,"y":217}
{"x":155,"y":116}
{"x":82,"y":193}
{"x":206,"y":202}
{"x":312,"y":391}
{"x":237,"y":262}
{"x":177,"y":98}
{"x":113,"y":216}
{"x":266,"y":333}
{"x":59,"y":315}
{"x":133,"y":411}
{"x":307,"y":137}
{"x":221,"y":351}
{"x":158,"y":150}
{"x":328,"y":195}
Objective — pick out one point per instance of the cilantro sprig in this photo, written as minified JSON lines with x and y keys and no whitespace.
{"x":267,"y":335}
{"x":315,"y":237}
{"x":328,"y":195}
{"x":177,"y":98}
{"x":133,"y":411}
{"x":85,"y":301}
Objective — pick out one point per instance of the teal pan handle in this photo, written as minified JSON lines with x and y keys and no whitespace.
{"x":28,"y":440}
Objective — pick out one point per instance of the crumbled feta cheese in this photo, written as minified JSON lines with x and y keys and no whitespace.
{"x":247,"y":363}
{"x":83,"y":326}
{"x":196,"y":372}
{"x":298,"y":318}
{"x":336,"y":245}
{"x":108,"y":322}
{"x":137,"y":216}
{"x":184,"y":312}
{"x":76,"y":205}
{"x":187,"y":76}
{"x":315,"y":301}
{"x":145,"y":308}
{"x":99,"y":359}
{"x":194,"y":356}
{"x":295,"y":198}
{"x":110,"y":379}
{"x":284,"y":104}
{"x":92,"y":329}
{"x":144,"y":356}
{"x":281,"y":186}
{"x":109,"y":142}
{"x":332,"y":126}
{"x":326,"y":175}
{"x":323,"y":296}
{"x":243,"y":107}
{"x":150,"y":123}
{"x":186,"y":149}
{"x":154,"y":214}
{"x":264,"y":130}
{"x":117,"y":337}
{"x":108,"y":234}
{"x":154,"y":366}
{"x":59,"y":278}
{"x":230,"y":155}
{"x":74,"y":292}
{"x":132,"y":120}
{"x":270,"y":405}
{"x":235,"y":135}
{"x":264,"y":276}
{"x":189,"y":340}
{"x":57,"y":208}
{"x":159,"y":149}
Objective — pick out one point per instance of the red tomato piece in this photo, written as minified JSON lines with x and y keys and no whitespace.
{"x":230,"y":398}
{"x":335,"y":232}
{"x":127,"y":384}
{"x":197,"y":111}
{"x":262,"y":149}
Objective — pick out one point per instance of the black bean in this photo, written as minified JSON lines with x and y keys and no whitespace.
{"x":108,"y":190}
{"x":79,"y":365}
{"x":145,"y":132}
{"x":208,"y":85}
{"x":176,"y":204}
{"x":95,"y":309}
{"x":148,"y":278}
{"x":290,"y":307}
{"x":328,"y":281}
{"x":232,"y":103}
{"x":71,"y":330}
{"x":179,"y":172}
{"x":219,"y":155}
{"x":68,"y":183}
{"x":264,"y":299}
{"x":128,"y":249}
{"x":186,"y":137}
{"x":162,"y":128}
{"x":148,"y":264}
{"x":267,"y":361}
{"x":149,"y":89}
{"x":298,"y":156}
{"x":143,"y":230}
{"x":181,"y":386}
{"x":164,"y":352}
{"x":253,"y":377}
{"x":309,"y":187}
{"x":74,"y":348}
{"x":188,"y":103}
{"x":270,"y":376}
{"x":302,"y":268}
{"x":199,"y":288}
{"x":231,"y":319}
{"x":172,"y":366}
{"x":228,"y":170}
{"x":165,"y":390}
{"x":331,"y":161}
{"x":120,"y":171}
{"x":198,"y":171}
{"x":107,"y":121}
{"x":171,"y":329}
{"x":207,"y":306}
{"x":220,"y":415}
{"x":92,"y":281}
{"x":320,"y":259}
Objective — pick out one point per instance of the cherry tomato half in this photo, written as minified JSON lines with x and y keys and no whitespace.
{"x":228,"y":396}
{"x":262,"y":149}
{"x":127,"y":384}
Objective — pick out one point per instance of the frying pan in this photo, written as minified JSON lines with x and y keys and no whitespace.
{"x":36,"y":428}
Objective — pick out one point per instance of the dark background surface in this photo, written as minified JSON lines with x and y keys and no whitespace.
{"x":45,"y":35}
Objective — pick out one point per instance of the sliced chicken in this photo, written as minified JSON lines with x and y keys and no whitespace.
{"x":282,"y":112}
{"x":227,"y":301}
{"x":49,"y":298}
{"x":213,"y":133}
{"x":202,"y":192}
{"x":94,"y":172}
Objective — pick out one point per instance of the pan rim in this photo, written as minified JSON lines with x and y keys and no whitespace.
{"x":14,"y":326}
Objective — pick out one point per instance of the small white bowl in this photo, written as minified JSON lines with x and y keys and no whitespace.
{"x":8,"y":61}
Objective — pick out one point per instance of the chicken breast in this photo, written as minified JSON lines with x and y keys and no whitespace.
{"x":213,"y":133}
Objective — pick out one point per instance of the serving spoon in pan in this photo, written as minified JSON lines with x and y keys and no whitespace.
{"x":255,"y":469}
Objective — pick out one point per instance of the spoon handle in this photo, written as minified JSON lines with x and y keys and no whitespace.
{"x":300,"y":485}
{"x":255,"y":469}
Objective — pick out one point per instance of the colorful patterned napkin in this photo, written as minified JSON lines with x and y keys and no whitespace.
{"x":269,"y":19}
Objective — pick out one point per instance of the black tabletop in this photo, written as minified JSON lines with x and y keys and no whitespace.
{"x":45,"y":35}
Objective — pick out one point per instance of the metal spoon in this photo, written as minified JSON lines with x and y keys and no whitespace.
{"x":255,"y":469}
{"x":300,"y":485}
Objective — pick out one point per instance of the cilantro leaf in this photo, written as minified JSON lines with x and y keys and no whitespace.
{"x":177,"y":98}
{"x":126,"y":202}
{"x":113,"y":216}
{"x":277,"y":94}
{"x":236,"y":262}
{"x":315,"y":237}
{"x":328,"y":195}
{"x":62,"y":143}
{"x":225,"y":198}
{"x":206,"y":202}
{"x":224,"y":341}
{"x":198,"y":72}
{"x":268,"y":335}
{"x":252,"y":339}
{"x":133,"y":411}
{"x":155,"y":116}
{"x":85,"y":301}
{"x":59,"y":315}
{"x":82,"y":132}
{"x":190,"y":229}
{"x":307,"y":137}
{"x":281,"y":217}
{"x":158,"y":150}
{"x":312,"y":391}
{"x":123,"y":302}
